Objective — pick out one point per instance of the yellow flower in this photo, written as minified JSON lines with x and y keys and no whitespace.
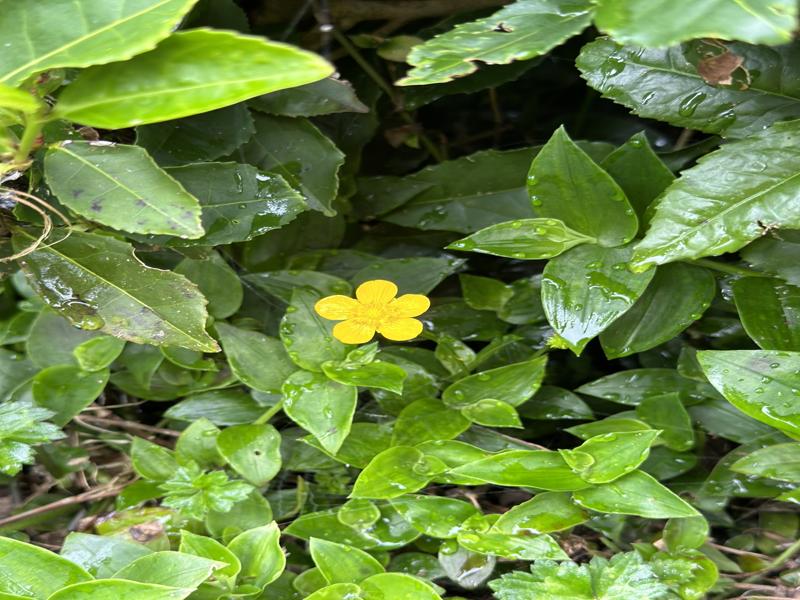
{"x":375,"y":308}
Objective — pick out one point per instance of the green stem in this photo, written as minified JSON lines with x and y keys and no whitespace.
{"x":779,"y":561}
{"x":726,"y":268}
{"x":273,"y":410}
{"x":33,"y":127}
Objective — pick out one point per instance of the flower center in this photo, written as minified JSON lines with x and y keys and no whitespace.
{"x":374,"y":314}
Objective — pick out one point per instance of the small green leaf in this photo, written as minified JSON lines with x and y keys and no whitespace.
{"x":376,"y":374}
{"x":435,"y":516}
{"x":636,"y":493}
{"x":197,"y":71}
{"x":113,"y":589}
{"x":513,"y":384}
{"x":492,"y":413}
{"x":606,"y":457}
{"x":21,"y":425}
{"x":770,"y":312}
{"x":246,"y":352}
{"x":552,"y":402}
{"x":120,"y":186}
{"x":523,"y":239}
{"x":67,"y":390}
{"x":484,"y":293}
{"x":633,"y":386}
{"x":260,"y":553}
{"x":101,"y":555}
{"x":217,"y":281}
{"x":329,"y":95}
{"x":337,"y":591}
{"x":540,"y":469}
{"x":281,"y":284}
{"x":397,"y":585}
{"x":340,"y":563}
{"x":427,"y":419}
{"x":308,"y":338}
{"x":29,"y":571}
{"x":198,"y":442}
{"x":667,"y":413}
{"x":396,"y":471}
{"x":253,"y":451}
{"x":174,"y":569}
{"x":152,"y":461}
{"x":544,"y":513}
{"x":97,"y":353}
{"x":518,"y":546}
{"x":198,"y":545}
{"x":18,"y":100}
{"x":196,"y":493}
{"x":221,"y":407}
{"x":781,"y":461}
{"x":685,"y":534}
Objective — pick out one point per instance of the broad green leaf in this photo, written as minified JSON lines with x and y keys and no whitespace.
{"x":640,"y":173}
{"x":664,"y":22}
{"x":427,"y":419}
{"x":724,"y":420}
{"x":120,"y":186}
{"x":781,"y":461}
{"x":468,"y":569}
{"x":364,"y":442}
{"x":246,"y":514}
{"x":99,"y":284}
{"x":703,"y":215}
{"x":607,"y":457}
{"x":522,"y":31}
{"x":101,"y":555}
{"x":322,"y":407}
{"x":46,"y":327}
{"x":518,"y":546}
{"x":196,"y":71}
{"x":340,"y":563}
{"x":27,"y":570}
{"x":358,"y":513}
{"x":217,"y":281}
{"x":260,"y":553}
{"x":454,"y":355}
{"x":777,"y":256}
{"x":221,"y":407}
{"x":633,"y":386}
{"x":435,"y":516}
{"x":552,"y":402}
{"x":66,"y":390}
{"x":492,"y":413}
{"x":523,"y":239}
{"x":337,"y":591}
{"x":329,"y":95}
{"x":540,"y":469}
{"x":253,"y":451}
{"x":21,"y":425}
{"x":636,"y":493}
{"x":174,"y":569}
{"x":484,"y":293}
{"x":513,"y":384}
{"x":376,"y":374}
{"x":612,"y":424}
{"x":685,"y":534}
{"x":282,"y":284}
{"x":198,"y":442}
{"x":417,"y":275}
{"x":100,"y":31}
{"x":677,"y":296}
{"x":544,"y":513}
{"x":397,"y":585}
{"x":97,"y":353}
{"x":198,"y":545}
{"x":564,"y":183}
{"x":308,"y":338}
{"x":200,"y":138}
{"x":664,"y":84}
{"x":588,"y":288}
{"x":770,"y":312}
{"x":763,"y":384}
{"x":114,"y":589}
{"x":396,"y":471}
{"x":667,"y":413}
{"x":18,"y":100}
{"x":286,"y":146}
{"x":247,"y":352}
{"x":152,"y":461}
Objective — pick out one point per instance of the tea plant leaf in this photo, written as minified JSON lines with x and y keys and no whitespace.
{"x":665,"y":22}
{"x":770,"y":312}
{"x":586,"y":289}
{"x":197,"y":71}
{"x":664,"y":84}
{"x":521,"y":31}
{"x":701,"y":215}
{"x":120,"y":186}
{"x":99,"y":284}
{"x":100,"y":32}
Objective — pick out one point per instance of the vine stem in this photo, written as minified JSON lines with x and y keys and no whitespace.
{"x":273,"y":410}
{"x":726,"y":268}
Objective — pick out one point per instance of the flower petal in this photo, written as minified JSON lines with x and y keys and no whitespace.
{"x":353,"y":332}
{"x":336,"y":308}
{"x":400,"y":330}
{"x":377,"y":291}
{"x":410,"y":305}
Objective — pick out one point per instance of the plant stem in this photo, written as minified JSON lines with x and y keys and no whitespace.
{"x":779,"y":561}
{"x":271,"y":412}
{"x":726,"y":268}
{"x":33,"y":127}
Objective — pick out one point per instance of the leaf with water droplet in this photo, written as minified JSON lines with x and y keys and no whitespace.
{"x":513,"y":384}
{"x":770,"y":311}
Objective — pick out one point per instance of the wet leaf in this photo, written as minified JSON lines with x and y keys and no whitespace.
{"x":770,"y":312}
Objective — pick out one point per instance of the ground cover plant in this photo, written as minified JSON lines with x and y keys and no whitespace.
{"x":360,"y":299}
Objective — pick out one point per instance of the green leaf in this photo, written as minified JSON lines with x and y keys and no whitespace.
{"x":664,"y":84}
{"x":120,"y":186}
{"x":27,"y":570}
{"x":781,"y":461}
{"x":586,"y":289}
{"x":612,"y":424}
{"x":565,"y":183}
{"x":636,"y":493}
{"x":100,"y":32}
{"x":540,"y":469}
{"x":703,"y":215}
{"x":435,"y":516}
{"x":492,"y":413}
{"x":664,"y":22}
{"x":174,"y":569}
{"x":552,"y":402}
{"x":200,"y":138}
{"x":468,"y":569}
{"x":217,"y":281}
{"x":113,"y":589}
{"x":524,"y":239}
{"x":246,"y":352}
{"x":484,"y":293}
{"x":152,"y":461}
{"x":308,"y":338}
{"x":779,"y":257}
{"x":322,"y":407}
{"x":195,"y":493}
{"x":522,"y":31}
{"x":18,"y":100}
{"x":281,"y":284}
{"x":285,"y":146}
{"x":518,"y":546}
{"x":607,"y":457}
{"x":677,"y":296}
{"x":198,"y":442}
{"x":763,"y":384}
{"x":513,"y":384}
{"x":252,"y":511}
{"x":101,"y":555}
{"x":340,"y":563}
{"x":97,"y":353}
{"x":770,"y":312}
{"x":635,"y":385}
{"x":690,"y":573}
{"x":260,"y":553}
{"x":397,"y":585}
{"x":544,"y":513}
{"x":66,"y":390}
{"x":394,"y":472}
{"x":90,"y":278}
{"x":198,"y":545}
{"x":417,"y":275}
{"x":47,"y":326}
{"x":21,"y":425}
{"x":329,"y":95}
{"x":221,"y":407}
{"x":376,"y":374}
{"x":685,"y":534}
{"x":668,"y":414}
{"x":427,"y":419}
{"x":189,"y":72}
{"x":253,"y":451}
{"x":337,"y":591}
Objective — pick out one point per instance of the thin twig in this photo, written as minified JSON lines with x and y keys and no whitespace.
{"x":95,"y":494}
{"x":132,"y":425}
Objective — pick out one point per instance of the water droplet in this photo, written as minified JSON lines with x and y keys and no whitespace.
{"x":689,"y":104}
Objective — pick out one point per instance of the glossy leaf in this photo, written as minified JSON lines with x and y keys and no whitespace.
{"x":770,"y":312}
{"x":781,"y":461}
{"x":521,"y":31}
{"x":199,"y":70}
{"x":586,"y":289}
{"x":776,"y":256}
{"x":492,"y":413}
{"x":67,"y":390}
{"x":329,"y":95}
{"x":246,"y":352}
{"x":761,"y":383}
{"x":308,"y":338}
{"x":667,"y":413}
{"x":519,"y":546}
{"x":260,"y":553}
{"x":98,"y":283}
{"x":484,"y":293}
{"x":386,"y":585}
{"x":544,"y":513}
{"x":633,"y":386}
{"x":198,"y":545}
{"x":101,"y":555}
{"x":565,"y":183}
{"x":435,"y":516}
{"x":29,"y":571}
{"x":97,"y":353}
{"x":685,"y":534}
{"x":281,"y":284}
{"x":198,"y":442}
{"x":512,"y":384}
{"x":540,"y":469}
{"x":340,"y":563}
{"x":376,"y":374}
{"x":427,"y":419}
{"x":111,"y":589}
{"x":394,"y":472}
{"x":699,"y":215}
{"x":174,"y":569}
{"x":606,"y":457}
{"x":253,"y":451}
{"x":552,"y":402}
{"x":120,"y":186}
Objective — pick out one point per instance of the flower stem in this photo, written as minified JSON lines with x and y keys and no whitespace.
{"x":271,"y":412}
